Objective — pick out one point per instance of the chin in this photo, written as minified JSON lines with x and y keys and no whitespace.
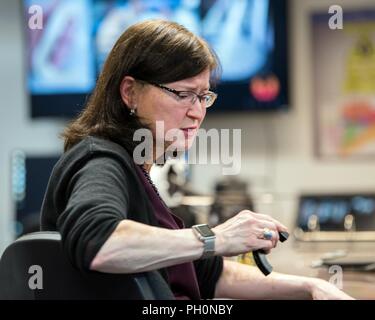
{"x":183,"y":145}
{"x":188,"y":143}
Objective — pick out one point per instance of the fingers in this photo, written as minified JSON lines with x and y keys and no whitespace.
{"x":264,"y":224}
{"x":265,"y":245}
{"x":251,"y":232}
{"x":280,"y":226}
{"x":272,"y":228}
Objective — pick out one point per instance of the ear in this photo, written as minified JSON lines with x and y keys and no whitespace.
{"x":127,"y":91}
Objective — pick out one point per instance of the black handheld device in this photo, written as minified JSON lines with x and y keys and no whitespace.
{"x":260,"y":257}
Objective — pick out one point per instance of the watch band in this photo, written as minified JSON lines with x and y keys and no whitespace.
{"x":209,"y":247}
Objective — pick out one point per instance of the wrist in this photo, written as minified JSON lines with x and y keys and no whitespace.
{"x":190,"y":246}
{"x":220,"y":243}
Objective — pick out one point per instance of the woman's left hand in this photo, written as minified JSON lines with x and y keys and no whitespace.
{"x":323,"y":290}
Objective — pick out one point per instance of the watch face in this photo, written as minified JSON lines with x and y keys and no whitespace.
{"x":205,"y":231}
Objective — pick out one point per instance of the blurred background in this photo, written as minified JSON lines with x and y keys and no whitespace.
{"x":301,"y":89}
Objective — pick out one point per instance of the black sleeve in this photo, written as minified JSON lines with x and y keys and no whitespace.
{"x":208,"y":273}
{"x":98,"y":201}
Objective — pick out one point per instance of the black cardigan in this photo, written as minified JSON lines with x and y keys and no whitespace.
{"x":91,"y":189}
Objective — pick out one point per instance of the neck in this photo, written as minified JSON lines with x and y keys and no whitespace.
{"x":147,"y":167}
{"x":155,"y":157}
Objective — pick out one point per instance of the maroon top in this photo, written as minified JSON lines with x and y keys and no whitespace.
{"x":182,"y":277}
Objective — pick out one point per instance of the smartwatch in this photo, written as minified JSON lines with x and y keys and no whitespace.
{"x":207,"y":236}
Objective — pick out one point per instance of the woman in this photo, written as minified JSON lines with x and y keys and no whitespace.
{"x":105,"y":205}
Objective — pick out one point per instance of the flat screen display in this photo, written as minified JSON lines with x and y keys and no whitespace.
{"x":331,"y":212}
{"x":30,"y":175}
{"x":65,"y":56}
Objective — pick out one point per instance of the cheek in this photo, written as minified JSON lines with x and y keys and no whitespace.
{"x":174,"y":118}
{"x":203,"y":114}
{"x":169,"y":118}
{"x":154,"y":109}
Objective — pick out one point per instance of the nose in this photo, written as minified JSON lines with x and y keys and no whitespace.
{"x":197,"y":109}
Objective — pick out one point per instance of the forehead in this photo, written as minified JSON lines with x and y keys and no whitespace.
{"x":201,"y":80}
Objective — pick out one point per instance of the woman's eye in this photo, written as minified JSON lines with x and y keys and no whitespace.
{"x":207,"y":98}
{"x":184,"y":95}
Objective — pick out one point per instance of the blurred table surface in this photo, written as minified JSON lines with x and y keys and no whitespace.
{"x":296,"y":257}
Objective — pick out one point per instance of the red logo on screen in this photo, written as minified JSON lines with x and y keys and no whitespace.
{"x":265,"y":89}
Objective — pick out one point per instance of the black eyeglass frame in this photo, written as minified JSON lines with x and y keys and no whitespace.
{"x":179,"y":92}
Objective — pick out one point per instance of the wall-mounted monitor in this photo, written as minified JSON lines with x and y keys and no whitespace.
{"x":30,"y":175}
{"x":66,"y":55}
{"x":336,"y":217}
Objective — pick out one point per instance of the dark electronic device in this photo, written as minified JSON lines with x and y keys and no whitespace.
{"x":336,"y":217}
{"x":260,"y":257}
{"x":65,"y":57}
{"x":30,"y":175}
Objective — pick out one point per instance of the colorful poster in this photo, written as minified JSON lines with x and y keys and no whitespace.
{"x":344,"y":85}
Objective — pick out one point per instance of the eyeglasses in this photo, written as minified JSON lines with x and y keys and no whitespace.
{"x":188,"y":98}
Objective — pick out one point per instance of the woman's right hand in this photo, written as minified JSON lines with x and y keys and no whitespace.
{"x":244,"y":232}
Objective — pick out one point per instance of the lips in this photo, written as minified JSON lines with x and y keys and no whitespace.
{"x":190,"y":131}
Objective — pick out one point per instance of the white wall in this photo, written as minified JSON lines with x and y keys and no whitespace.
{"x":17,"y":130}
{"x":277,"y":148}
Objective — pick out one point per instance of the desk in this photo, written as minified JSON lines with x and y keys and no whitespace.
{"x":294,"y":257}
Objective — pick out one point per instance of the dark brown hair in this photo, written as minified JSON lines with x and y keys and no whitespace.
{"x":156,"y":51}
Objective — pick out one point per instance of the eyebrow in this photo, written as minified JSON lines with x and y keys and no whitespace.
{"x":192,"y":88}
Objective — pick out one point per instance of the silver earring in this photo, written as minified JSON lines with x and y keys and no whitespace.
{"x":132,"y":111}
